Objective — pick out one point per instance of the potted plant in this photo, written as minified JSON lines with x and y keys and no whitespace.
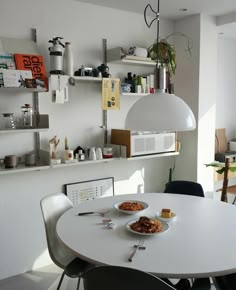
{"x":164,"y":53}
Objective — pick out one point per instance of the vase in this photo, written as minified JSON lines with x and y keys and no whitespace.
{"x":68,"y":62}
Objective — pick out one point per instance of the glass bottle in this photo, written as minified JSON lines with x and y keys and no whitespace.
{"x":27,"y":116}
{"x":68,"y":63}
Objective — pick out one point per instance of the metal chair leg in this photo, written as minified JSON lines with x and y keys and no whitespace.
{"x":234,"y":200}
{"x":78,"y":283}
{"x":62,"y":276}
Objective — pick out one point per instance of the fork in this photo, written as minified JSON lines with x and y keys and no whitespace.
{"x":93,"y":212}
{"x":136,"y":247}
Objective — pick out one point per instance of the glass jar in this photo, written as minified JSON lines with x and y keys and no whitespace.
{"x":27,"y":116}
{"x":8,"y":121}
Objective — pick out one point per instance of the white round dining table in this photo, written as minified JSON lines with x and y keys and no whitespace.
{"x":200,"y":241}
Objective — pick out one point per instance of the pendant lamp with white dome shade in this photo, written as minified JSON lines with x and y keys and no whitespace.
{"x":160,"y":111}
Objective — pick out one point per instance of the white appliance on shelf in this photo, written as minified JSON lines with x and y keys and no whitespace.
{"x":144,"y":143}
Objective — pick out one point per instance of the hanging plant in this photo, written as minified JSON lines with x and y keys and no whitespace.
{"x":164,"y":53}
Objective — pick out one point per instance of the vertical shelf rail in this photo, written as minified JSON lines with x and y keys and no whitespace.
{"x":104,"y":45}
{"x":36,"y":107}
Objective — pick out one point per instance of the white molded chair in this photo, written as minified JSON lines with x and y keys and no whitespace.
{"x":53,"y":206}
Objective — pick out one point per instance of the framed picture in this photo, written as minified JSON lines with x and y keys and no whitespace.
{"x":90,"y":189}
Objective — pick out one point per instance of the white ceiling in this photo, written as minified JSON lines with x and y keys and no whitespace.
{"x":170,"y":9}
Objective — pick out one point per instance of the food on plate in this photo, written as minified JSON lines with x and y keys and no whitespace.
{"x":131,"y":206}
{"x":166,"y":213}
{"x":146,"y":225}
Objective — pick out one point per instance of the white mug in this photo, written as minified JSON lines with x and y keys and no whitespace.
{"x":92,"y":153}
{"x":99,"y":153}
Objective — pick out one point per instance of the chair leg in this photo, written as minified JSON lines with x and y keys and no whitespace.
{"x":62,"y":276}
{"x":234,"y":200}
{"x":78,"y":283}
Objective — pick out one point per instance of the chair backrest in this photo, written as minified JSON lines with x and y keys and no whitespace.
{"x":117,"y":278}
{"x":53,"y":206}
{"x":184,"y":187}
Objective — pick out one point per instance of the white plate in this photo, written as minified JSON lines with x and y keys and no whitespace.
{"x":164,"y":229}
{"x":144,"y":204}
{"x":173,"y":216}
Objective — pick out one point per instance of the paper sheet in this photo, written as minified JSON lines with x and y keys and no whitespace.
{"x":110,"y":94}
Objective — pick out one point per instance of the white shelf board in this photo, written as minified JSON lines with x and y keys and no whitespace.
{"x":14,"y":131}
{"x":23,"y":90}
{"x":153,"y":156}
{"x":87,"y":162}
{"x":135,"y":62}
{"x":87,"y":79}
{"x":135,"y":94}
{"x":22,"y":168}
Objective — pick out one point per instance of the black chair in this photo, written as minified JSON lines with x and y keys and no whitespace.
{"x":184,"y":187}
{"x":195,"y":189}
{"x":226,"y":282}
{"x":121,"y":278}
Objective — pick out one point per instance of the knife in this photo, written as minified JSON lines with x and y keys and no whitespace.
{"x":84,"y":213}
{"x":136,"y":247}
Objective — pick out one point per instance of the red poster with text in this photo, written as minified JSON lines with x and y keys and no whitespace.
{"x":34,"y":63}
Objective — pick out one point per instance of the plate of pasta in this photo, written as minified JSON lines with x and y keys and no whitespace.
{"x":131,"y":206}
{"x":147,"y":226}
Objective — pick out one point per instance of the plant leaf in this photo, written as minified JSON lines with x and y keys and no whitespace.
{"x":213,"y":164}
{"x":232,"y":169}
{"x":220,"y":171}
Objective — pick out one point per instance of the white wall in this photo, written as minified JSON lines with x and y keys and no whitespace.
{"x":23,"y":243}
{"x":225,"y":97}
{"x":207,"y":100}
{"x":195,"y":81}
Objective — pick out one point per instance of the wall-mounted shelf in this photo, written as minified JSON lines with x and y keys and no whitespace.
{"x":117,"y":55}
{"x":14,"y":131}
{"x":124,"y":60}
{"x":153,"y":156}
{"x":87,"y":79}
{"x":23,"y":168}
{"x":22,"y":90}
{"x":87,"y":162}
{"x":135,"y":94}
{"x":42,"y":125}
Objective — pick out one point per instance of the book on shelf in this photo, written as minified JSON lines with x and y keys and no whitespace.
{"x":35,"y":63}
{"x":7,"y":60}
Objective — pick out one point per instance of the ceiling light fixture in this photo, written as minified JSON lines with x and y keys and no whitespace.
{"x":160,"y":111}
